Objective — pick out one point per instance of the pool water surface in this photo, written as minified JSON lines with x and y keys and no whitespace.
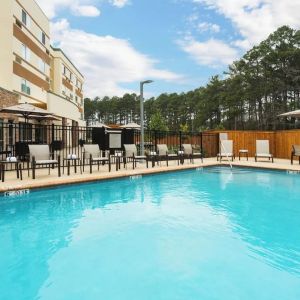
{"x":189,"y":235}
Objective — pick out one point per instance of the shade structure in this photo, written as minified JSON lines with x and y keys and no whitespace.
{"x":26,"y":110}
{"x":100,"y":125}
{"x":43,"y":118}
{"x":131,"y":126}
{"x":294,"y":113}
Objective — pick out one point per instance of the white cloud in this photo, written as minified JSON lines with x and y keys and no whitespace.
{"x":85,"y":8}
{"x":256,"y":19}
{"x":86,"y":11}
{"x":105,"y":61}
{"x":211,"y":53}
{"x":211,"y":27}
{"x":119,"y":3}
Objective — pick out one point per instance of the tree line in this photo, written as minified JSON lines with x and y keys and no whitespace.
{"x":249,"y":95}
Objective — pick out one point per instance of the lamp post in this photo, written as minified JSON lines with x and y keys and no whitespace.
{"x":142,"y":114}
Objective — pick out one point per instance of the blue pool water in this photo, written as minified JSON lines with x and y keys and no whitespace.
{"x":191,"y":235}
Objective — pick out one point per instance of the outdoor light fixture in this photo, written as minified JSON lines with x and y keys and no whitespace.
{"x":142,"y":113}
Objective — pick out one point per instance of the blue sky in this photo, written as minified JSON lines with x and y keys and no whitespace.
{"x":179,"y":44}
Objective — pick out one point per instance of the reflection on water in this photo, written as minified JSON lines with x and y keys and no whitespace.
{"x":160,"y":237}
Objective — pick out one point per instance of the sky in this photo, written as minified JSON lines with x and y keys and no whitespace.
{"x":179,"y":44}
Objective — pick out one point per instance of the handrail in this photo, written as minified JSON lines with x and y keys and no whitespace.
{"x":222,"y":146}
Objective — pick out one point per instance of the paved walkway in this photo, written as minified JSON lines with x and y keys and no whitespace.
{"x":45,"y":180}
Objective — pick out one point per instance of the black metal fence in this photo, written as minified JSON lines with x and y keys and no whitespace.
{"x":64,"y":140}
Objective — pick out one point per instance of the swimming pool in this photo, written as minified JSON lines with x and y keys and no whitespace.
{"x":206,"y":234}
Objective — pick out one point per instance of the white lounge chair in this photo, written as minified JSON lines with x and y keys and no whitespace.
{"x":263,"y":150}
{"x":131,"y":153}
{"x":163,"y":154}
{"x":40,"y":155}
{"x":189,"y":152}
{"x":226,"y":150}
{"x":95,"y":155}
{"x":295,"y":152}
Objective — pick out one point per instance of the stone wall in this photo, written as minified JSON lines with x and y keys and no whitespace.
{"x":8,"y":98}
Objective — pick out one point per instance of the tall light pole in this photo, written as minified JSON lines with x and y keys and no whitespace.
{"x":142,"y":114}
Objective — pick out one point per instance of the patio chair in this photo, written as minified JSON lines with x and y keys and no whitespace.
{"x":95,"y":155}
{"x":164,"y":154}
{"x":263,"y":150}
{"x":226,"y":150}
{"x":131,"y":153}
{"x":295,"y":152}
{"x":40,"y":155}
{"x":189,"y":153}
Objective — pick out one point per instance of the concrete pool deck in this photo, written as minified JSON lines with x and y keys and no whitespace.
{"x":44,"y":180}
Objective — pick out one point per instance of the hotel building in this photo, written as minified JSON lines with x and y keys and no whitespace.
{"x":31,"y":69}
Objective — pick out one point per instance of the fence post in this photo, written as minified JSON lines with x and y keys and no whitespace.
{"x":180,"y":139}
{"x":155,"y":141}
{"x":52,"y":132}
{"x":201,"y":143}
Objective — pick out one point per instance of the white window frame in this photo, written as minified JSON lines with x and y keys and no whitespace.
{"x":42,"y":65}
{"x":26,"y":53}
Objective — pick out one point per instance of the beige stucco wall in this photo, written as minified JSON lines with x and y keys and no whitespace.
{"x":6,"y":38}
{"x":62,"y":107}
{"x":36,"y":13}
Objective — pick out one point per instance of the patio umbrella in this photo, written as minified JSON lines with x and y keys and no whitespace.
{"x":43,"y":118}
{"x":131,"y":126}
{"x":26,"y":110}
{"x":294,"y":113}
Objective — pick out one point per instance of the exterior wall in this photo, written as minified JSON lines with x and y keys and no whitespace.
{"x":29,"y":66}
{"x":6,"y":38}
{"x":8,"y":98}
{"x":64,"y":108}
{"x":67,"y":81}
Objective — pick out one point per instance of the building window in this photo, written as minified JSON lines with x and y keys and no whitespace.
{"x":42,"y":65}
{"x":25,"y":52}
{"x":25,"y":88}
{"x":25,"y":18}
{"x":43,"y":38}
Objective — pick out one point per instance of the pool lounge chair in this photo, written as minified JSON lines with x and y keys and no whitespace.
{"x":95,"y":155}
{"x":164,"y":154}
{"x":189,"y":153}
{"x":131,"y":154}
{"x":226,"y":150}
{"x":263,"y":150}
{"x":295,"y":152}
{"x":40,"y":156}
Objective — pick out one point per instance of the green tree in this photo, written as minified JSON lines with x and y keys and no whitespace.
{"x":157,"y":122}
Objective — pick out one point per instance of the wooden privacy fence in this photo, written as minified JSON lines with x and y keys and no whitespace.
{"x":280,"y":141}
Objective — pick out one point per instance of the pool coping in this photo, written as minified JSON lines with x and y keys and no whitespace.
{"x":128,"y":174}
